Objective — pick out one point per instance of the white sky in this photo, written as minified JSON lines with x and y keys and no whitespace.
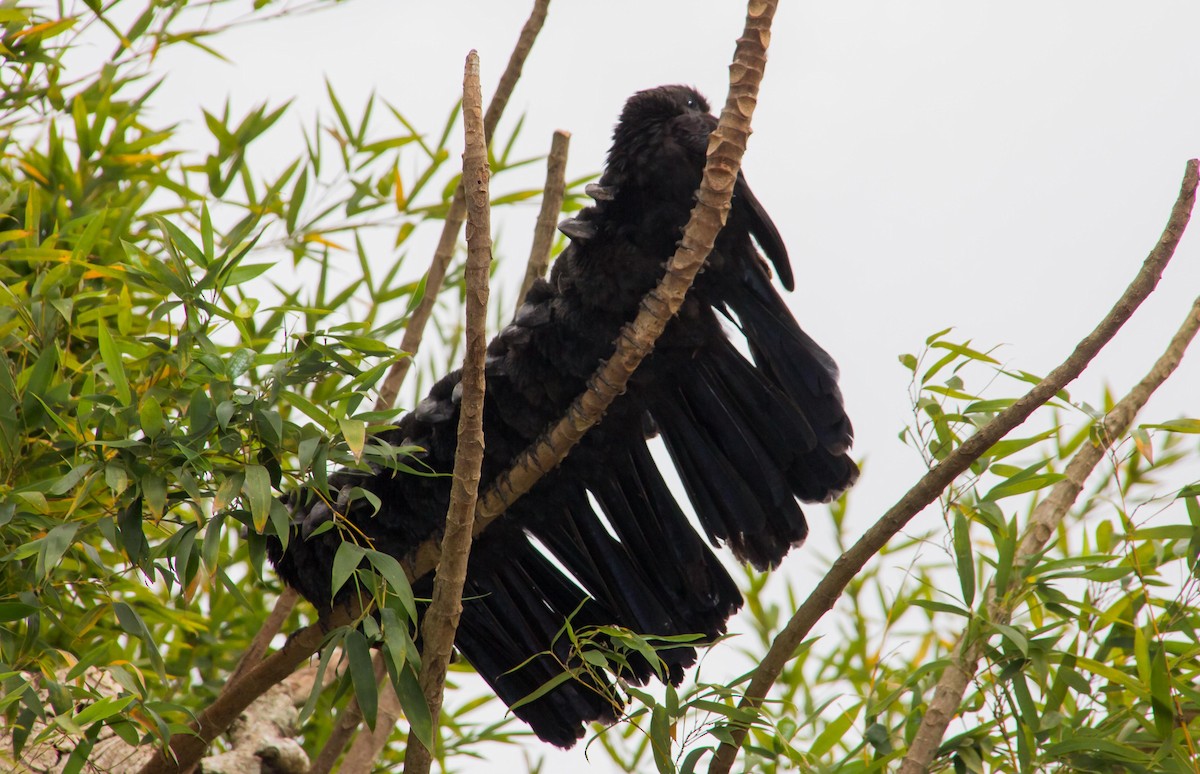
{"x":1002,"y":168}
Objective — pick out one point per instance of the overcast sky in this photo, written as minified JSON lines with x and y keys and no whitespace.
{"x":1002,"y":168}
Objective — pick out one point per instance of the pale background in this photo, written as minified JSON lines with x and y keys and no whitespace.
{"x":1002,"y":168}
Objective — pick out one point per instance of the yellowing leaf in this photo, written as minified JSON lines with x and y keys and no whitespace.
{"x":401,"y":200}
{"x":323,"y":241}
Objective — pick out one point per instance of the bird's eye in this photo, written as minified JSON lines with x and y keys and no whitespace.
{"x":692,"y":103}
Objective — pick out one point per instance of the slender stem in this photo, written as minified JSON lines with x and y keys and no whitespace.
{"x":925,"y":491}
{"x":347,"y":723}
{"x":552,"y":199}
{"x":258,"y":646}
{"x":441,"y":619}
{"x":414,"y":331}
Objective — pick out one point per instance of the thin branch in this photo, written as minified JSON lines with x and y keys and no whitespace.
{"x":347,"y":723}
{"x":186,"y":748}
{"x":364,"y":753}
{"x":441,"y":619}
{"x":415,"y":329}
{"x":258,"y":646}
{"x":1046,"y":516}
{"x":552,"y":199}
{"x":925,"y":491}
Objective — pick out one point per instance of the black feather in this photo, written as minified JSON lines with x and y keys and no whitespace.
{"x":747,"y":438}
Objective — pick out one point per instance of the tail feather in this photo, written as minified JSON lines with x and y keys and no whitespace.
{"x":751,"y":215}
{"x":511,"y":632}
{"x":695,"y":585}
{"x":604,"y":569}
{"x":756,"y":525}
{"x":792,"y":360}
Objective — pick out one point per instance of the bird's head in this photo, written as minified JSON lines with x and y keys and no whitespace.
{"x":650,"y":115}
{"x":661,"y":104}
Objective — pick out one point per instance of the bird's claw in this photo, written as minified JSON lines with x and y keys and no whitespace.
{"x":601,"y":193}
{"x":577,"y":229}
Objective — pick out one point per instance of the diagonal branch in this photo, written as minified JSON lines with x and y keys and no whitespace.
{"x":348,"y":721}
{"x":414,"y":331}
{"x":186,"y":747}
{"x":925,"y":491}
{"x":441,"y":619}
{"x":258,"y":646}
{"x":964,"y":662}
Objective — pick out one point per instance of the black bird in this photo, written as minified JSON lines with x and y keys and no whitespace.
{"x":747,"y":437}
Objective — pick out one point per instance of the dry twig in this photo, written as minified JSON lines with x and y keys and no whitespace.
{"x":547,"y":220}
{"x":925,"y":491}
{"x":414,"y":330}
{"x":441,"y":619}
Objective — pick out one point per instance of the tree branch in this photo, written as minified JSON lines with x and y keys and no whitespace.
{"x":547,"y":220}
{"x":1046,"y":516}
{"x":364,"y":753}
{"x":258,"y":646}
{"x":185,"y":748}
{"x":414,"y":331}
{"x":925,"y":491}
{"x":347,"y":723}
{"x":441,"y":619}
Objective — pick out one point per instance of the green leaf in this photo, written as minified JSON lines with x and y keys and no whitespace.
{"x":964,"y":557}
{"x":112,"y":363}
{"x":941,"y":607}
{"x":53,"y":546}
{"x":835,"y":731}
{"x":660,"y":739}
{"x":387,"y":566}
{"x":68,"y":482}
{"x":416,"y":710}
{"x":150,"y":414}
{"x":345,"y":562}
{"x":541,"y":690}
{"x":355,"y":433}
{"x":327,"y":650}
{"x":15,"y":611}
{"x":1177,"y":426}
{"x":244,"y":273}
{"x":1014,"y":636}
{"x":102,"y":709}
{"x":362,"y":675}
{"x":1006,"y":551}
{"x":1021,"y":485}
{"x":133,"y":624}
{"x":154,"y":489}
{"x":257,"y":488}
